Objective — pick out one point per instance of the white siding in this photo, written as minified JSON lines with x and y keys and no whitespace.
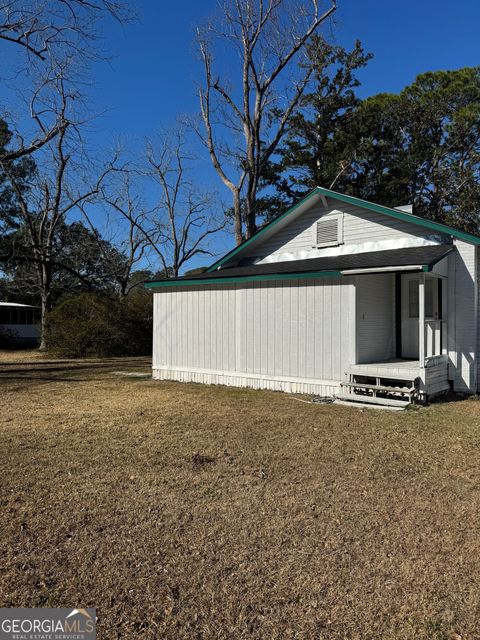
{"x":462,"y":317}
{"x":363,"y":230}
{"x":477,"y":302}
{"x":291,"y":335}
{"x":375,"y":318}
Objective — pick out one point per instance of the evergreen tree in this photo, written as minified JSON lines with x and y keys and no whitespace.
{"x":420,"y":147}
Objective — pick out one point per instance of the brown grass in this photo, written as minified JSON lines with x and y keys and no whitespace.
{"x":191,"y":512}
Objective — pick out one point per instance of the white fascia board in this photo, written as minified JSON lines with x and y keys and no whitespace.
{"x":353,"y":272}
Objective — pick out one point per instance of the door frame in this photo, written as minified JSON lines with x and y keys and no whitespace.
{"x":439,"y":306}
{"x":415,"y":321}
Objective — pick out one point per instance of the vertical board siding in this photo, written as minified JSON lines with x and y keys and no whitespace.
{"x":375,"y":318}
{"x":477,"y":303}
{"x":463,"y":327}
{"x":360,"y":227}
{"x":295,"y":330}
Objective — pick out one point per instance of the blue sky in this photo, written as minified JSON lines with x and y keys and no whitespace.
{"x":151,"y":76}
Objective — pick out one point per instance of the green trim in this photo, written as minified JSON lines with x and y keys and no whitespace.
{"x":364,"y":204}
{"x":256,"y":278}
{"x":402,"y":215}
{"x":271,"y":224}
{"x":429,"y":267}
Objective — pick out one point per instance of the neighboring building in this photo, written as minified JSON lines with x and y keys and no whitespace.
{"x":337,"y":296}
{"x":19,"y":324}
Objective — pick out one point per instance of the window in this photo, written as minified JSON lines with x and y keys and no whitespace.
{"x":429,"y":298}
{"x":328,"y":232}
{"x":413,"y":302}
{"x":17,"y":315}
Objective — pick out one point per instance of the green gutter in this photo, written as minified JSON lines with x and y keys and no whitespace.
{"x":358,"y":202}
{"x":333,"y":273}
{"x":429,"y":267}
{"x":234,"y":280}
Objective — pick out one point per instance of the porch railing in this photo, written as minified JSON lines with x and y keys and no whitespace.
{"x":435,"y":337}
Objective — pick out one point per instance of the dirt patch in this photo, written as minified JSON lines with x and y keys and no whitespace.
{"x":186,"y":511}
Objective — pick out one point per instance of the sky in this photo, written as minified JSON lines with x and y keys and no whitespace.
{"x":150,"y":78}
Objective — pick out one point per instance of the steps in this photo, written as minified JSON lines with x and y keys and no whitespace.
{"x":375,"y":390}
{"x":366,"y":399}
{"x":366,"y":405}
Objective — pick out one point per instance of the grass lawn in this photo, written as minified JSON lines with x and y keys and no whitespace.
{"x":194,"y":512}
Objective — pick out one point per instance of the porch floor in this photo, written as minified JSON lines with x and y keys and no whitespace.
{"x":392,"y":368}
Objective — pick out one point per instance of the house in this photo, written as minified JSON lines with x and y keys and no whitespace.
{"x":18,"y":324}
{"x":336,"y":297}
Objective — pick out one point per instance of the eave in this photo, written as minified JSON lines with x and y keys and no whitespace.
{"x":242,"y":279}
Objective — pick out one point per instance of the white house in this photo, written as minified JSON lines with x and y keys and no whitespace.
{"x":19,"y":324}
{"x":336,"y":296}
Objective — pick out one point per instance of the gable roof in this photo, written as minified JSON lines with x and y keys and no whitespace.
{"x":412,"y":259}
{"x":320,"y":192}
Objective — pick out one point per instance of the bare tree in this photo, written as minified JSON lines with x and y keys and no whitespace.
{"x":133,"y":235}
{"x":181,"y":221}
{"x":184,"y":217}
{"x":243,"y":123}
{"x":52,"y":194}
{"x":48,"y":29}
{"x":53,"y":38}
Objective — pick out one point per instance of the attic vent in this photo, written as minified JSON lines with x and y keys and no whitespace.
{"x":329,"y":231}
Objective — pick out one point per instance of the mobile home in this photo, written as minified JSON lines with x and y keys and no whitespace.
{"x":335,"y":297}
{"x":19,"y":324}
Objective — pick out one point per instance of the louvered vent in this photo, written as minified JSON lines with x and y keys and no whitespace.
{"x":329,"y":232}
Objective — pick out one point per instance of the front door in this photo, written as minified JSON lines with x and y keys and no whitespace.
{"x":410,"y":313}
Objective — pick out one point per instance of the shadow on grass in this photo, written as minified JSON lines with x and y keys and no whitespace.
{"x":453,"y":396}
{"x":72,"y":379}
{"x":75,"y":371}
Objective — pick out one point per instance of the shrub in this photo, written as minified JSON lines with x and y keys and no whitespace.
{"x":99,"y":325}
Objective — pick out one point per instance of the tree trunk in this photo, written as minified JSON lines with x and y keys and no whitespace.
{"x":46,"y":301}
{"x":45,"y":308}
{"x":237,"y":213}
{"x":250,"y":207}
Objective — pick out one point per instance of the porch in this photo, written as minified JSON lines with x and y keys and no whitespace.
{"x":397,"y":369}
{"x":421,"y":381}
{"x":401,"y":339}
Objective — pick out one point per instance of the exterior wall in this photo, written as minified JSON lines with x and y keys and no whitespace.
{"x":462,"y":326}
{"x":375,"y":317}
{"x":363,"y":230}
{"x":295,"y":336}
{"x":21,"y":331}
{"x":18,"y":335}
{"x":478,"y":315}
